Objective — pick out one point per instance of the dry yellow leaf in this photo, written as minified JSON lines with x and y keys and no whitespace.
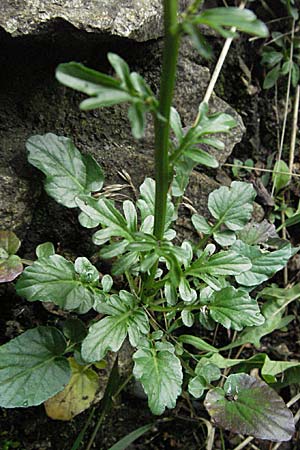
{"x":76,"y":396}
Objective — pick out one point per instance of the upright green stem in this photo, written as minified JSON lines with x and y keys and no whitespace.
{"x":162,"y":128}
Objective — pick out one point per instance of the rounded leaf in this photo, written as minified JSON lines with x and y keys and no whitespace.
{"x":249,"y":406}
{"x":32,"y":367}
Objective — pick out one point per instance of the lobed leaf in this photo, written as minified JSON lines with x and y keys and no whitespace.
{"x":222,"y":263}
{"x":68,"y":173}
{"x":234,"y":308}
{"x":264,"y":264}
{"x":272,"y":311}
{"x":159,"y":370}
{"x":54,"y":279}
{"x":232,"y":206}
{"x":124,"y":317}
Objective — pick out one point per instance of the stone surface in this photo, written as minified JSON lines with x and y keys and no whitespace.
{"x":140,"y":20}
{"x":17,"y":201}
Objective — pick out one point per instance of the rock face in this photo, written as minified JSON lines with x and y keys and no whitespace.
{"x":140,"y":20}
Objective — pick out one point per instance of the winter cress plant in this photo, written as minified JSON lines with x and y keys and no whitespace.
{"x":171,"y":292}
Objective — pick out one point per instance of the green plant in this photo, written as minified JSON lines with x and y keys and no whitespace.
{"x":167,"y":288}
{"x":281,"y":55}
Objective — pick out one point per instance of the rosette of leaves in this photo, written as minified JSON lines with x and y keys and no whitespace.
{"x":10,"y":264}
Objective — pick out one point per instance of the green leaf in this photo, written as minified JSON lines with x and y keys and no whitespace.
{"x":105,"y":90}
{"x":108,"y":97}
{"x":54,"y":279}
{"x":125,"y":262}
{"x":87,"y":272}
{"x":281,"y":180}
{"x":140,"y":85}
{"x":264,"y":264}
{"x":272,"y":368}
{"x":269,"y":368}
{"x":294,"y":220}
{"x":74,"y":330}
{"x":271,"y":58}
{"x":197,"y":342}
{"x":224,"y":238}
{"x":200,"y":43}
{"x":187,"y":318}
{"x":77,"y":396}
{"x":285,"y":68}
{"x":103,"y":211}
{"x":32,"y":367}
{"x":107,"y":283}
{"x":130,"y":215}
{"x":176,"y":125}
{"x":9,"y":242}
{"x":121,"y":68}
{"x":115,"y":249}
{"x":68,"y":173}
{"x":180,"y":181}
{"x":209,"y":124}
{"x":234,"y":308}
{"x":45,"y":250}
{"x":272,"y":311}
{"x":197,"y":386}
{"x":201,"y":157}
{"x":170,"y":292}
{"x":147,"y":199}
{"x":249,"y":406}
{"x":187,"y":294}
{"x":125,"y":442}
{"x":243,"y":20}
{"x":272,"y":77}
{"x":209,"y":371}
{"x":137,"y":118}
{"x":289,"y":377}
{"x":124,"y":317}
{"x":83,"y":79}
{"x":201,"y":224}
{"x":222,"y":263}
{"x":232,"y":206}
{"x":159,"y":370}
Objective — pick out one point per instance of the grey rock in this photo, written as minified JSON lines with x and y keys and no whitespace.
{"x":17,"y":201}
{"x":140,"y":20}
